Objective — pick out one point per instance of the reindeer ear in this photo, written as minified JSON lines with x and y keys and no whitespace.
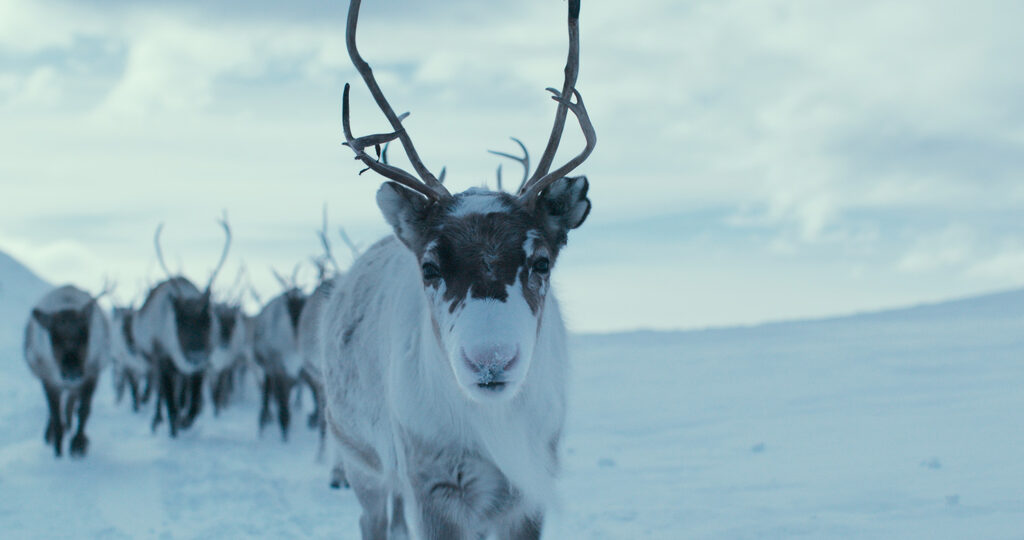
{"x":43,"y":318}
{"x":405,"y":210}
{"x":564,"y":205}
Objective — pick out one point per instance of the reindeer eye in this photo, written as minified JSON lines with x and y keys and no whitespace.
{"x":431,"y":271}
{"x":542,"y":265}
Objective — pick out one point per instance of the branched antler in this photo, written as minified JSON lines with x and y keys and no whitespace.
{"x":524,"y":161}
{"x":326,"y":243}
{"x":109,"y":286}
{"x":160,"y":258}
{"x":427,"y":184}
{"x":223,"y":221}
{"x":541,"y":178}
{"x":432,"y":187}
{"x":348,"y":242}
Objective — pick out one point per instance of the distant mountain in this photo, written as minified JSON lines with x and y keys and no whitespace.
{"x":977,"y":315}
{"x":20,"y":289}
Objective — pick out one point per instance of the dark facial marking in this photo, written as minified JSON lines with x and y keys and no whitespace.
{"x":126,"y":331}
{"x":480,"y":255}
{"x":227,"y":316}
{"x":193,"y":321}
{"x":69,"y":339}
{"x":295,"y":301}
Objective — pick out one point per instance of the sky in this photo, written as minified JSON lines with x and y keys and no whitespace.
{"x":756,"y":160}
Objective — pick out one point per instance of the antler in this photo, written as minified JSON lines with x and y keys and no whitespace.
{"x":160,"y":257}
{"x":326,"y":243}
{"x":427,"y":184}
{"x":524,"y":161}
{"x":283,"y":281}
{"x":224,"y":254}
{"x":348,"y":242}
{"x":109,"y":286}
{"x":541,"y":178}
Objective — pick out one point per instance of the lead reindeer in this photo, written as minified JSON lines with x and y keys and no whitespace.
{"x":176,"y":330}
{"x":66,"y":346}
{"x":444,"y":351}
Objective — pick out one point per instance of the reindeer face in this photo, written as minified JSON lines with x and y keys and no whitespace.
{"x":124,"y":319}
{"x":195,"y":325}
{"x":228,"y":341}
{"x":485,"y":262}
{"x":295,"y":300}
{"x":69,"y":338}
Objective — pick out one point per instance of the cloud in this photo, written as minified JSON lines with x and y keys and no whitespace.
{"x":795,"y":131}
{"x":1006,"y":266}
{"x":951,"y":246}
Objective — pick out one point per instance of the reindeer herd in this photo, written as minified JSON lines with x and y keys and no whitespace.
{"x":181,"y":345}
{"x":438,"y":361}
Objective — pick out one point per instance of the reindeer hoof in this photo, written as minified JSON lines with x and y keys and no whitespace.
{"x":79,"y":445}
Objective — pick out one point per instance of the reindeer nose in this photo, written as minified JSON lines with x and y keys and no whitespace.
{"x":490,"y":358}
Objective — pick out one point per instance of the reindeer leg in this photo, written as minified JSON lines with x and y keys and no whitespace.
{"x":156,"y":379}
{"x":217,"y":393}
{"x":373,"y":522}
{"x":396,"y":522}
{"x":120,"y":378}
{"x":193,"y":387}
{"x":282,"y":390}
{"x":265,"y":409}
{"x":147,"y":390}
{"x":169,"y":396}
{"x":69,"y":408}
{"x":133,"y":387}
{"x":527,"y":529}
{"x":315,"y":418}
{"x":80,"y":443}
{"x":54,"y":429}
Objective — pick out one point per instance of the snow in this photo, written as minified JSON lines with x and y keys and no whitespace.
{"x":903,"y":424}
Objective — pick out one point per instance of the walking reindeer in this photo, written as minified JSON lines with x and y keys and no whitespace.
{"x":310,"y":340}
{"x":231,"y":353}
{"x":276,"y":351}
{"x":444,"y":353}
{"x":130,"y":368}
{"x":176,"y":330}
{"x":66,"y":346}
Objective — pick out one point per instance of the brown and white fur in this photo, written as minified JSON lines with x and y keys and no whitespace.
{"x":175,"y":330}
{"x":444,"y":352}
{"x":66,"y":346}
{"x":445,"y":363}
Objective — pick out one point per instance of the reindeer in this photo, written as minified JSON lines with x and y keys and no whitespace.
{"x":130,"y":367}
{"x":66,"y":345}
{"x":444,"y":351}
{"x":310,"y":340}
{"x":175,"y":329}
{"x":230,"y":354}
{"x":276,"y":351}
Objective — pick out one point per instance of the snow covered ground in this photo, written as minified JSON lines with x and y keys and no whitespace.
{"x":903,"y":424}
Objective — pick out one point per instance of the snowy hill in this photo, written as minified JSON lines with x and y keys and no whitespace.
{"x":20,"y":289}
{"x":901,"y":424}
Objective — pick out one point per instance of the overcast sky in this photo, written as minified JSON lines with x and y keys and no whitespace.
{"x":756,"y":161}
